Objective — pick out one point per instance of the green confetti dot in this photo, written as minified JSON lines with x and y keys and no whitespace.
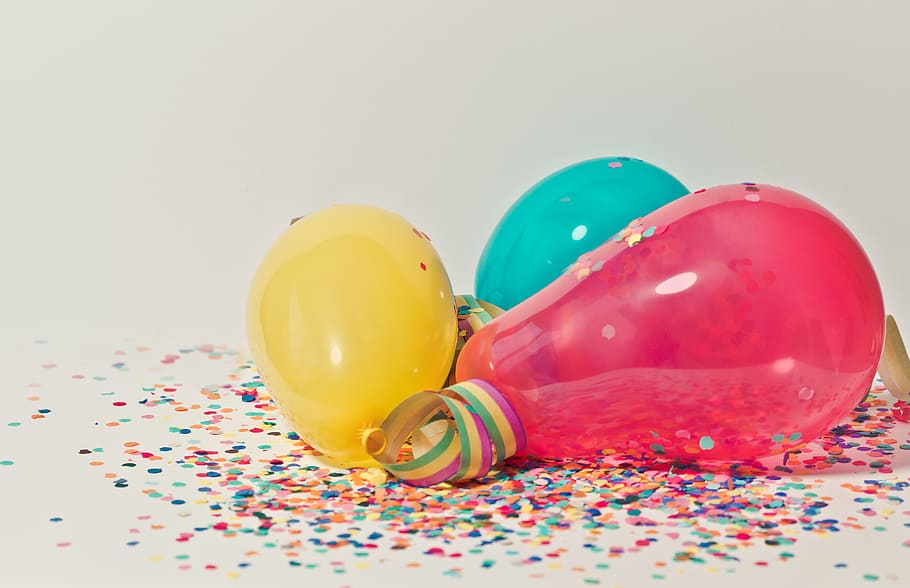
{"x":870,"y":577}
{"x":706,"y":443}
{"x":795,"y":436}
{"x":777,"y":438}
{"x":6,"y":462}
{"x":14,"y":424}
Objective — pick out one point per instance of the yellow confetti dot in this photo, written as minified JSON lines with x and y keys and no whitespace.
{"x":376,"y":476}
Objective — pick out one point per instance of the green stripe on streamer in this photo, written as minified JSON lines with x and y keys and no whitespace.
{"x":472,"y":315}
{"x":484,"y":414}
{"x":436,"y":459}
{"x":479,"y":429}
{"x":474,"y":309}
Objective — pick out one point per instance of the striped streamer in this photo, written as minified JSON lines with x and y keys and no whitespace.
{"x":457,"y":434}
{"x":472,"y":315}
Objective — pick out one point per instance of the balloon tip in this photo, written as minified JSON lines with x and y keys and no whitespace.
{"x":374,"y":441}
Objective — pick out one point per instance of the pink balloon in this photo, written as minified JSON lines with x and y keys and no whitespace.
{"x":736,"y":322}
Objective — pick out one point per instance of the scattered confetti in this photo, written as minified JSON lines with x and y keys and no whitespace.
{"x":223,"y":461}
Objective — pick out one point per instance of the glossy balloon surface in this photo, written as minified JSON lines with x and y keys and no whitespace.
{"x":736,"y":322}
{"x":349,"y":312}
{"x":564,"y":215}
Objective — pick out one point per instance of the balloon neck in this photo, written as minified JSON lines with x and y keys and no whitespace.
{"x":374,"y":441}
{"x":456,"y":434}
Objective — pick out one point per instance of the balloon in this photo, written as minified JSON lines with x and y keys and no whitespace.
{"x":564,"y":215}
{"x":349,"y":312}
{"x":737,"y":322}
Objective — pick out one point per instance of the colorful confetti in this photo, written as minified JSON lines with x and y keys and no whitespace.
{"x":221,"y":460}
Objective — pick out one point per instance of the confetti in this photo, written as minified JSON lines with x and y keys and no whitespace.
{"x":223,"y":461}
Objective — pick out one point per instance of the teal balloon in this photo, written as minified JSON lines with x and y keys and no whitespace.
{"x":563,"y":216}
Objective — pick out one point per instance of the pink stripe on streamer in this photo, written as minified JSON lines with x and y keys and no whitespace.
{"x":511,"y":416}
{"x":440,"y":476}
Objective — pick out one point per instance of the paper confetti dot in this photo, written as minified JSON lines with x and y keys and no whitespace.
{"x":220,"y":458}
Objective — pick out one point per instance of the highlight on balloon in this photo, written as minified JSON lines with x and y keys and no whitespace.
{"x":727,"y":324}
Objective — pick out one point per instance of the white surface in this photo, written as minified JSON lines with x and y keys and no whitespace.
{"x":151,"y":152}
{"x":89,"y":546}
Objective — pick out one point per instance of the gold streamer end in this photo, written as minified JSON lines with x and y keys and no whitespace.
{"x":894,"y":367}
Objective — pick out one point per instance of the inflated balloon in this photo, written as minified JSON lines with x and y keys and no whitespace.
{"x":737,"y":322}
{"x":564,"y":215}
{"x":349,"y":312}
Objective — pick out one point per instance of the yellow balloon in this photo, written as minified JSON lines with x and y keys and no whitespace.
{"x":350,"y":311}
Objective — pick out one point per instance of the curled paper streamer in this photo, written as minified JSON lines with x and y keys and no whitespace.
{"x":894,"y":367}
{"x":472,"y":314}
{"x":456,"y":434}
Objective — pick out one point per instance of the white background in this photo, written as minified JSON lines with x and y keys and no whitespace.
{"x":151,"y":152}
